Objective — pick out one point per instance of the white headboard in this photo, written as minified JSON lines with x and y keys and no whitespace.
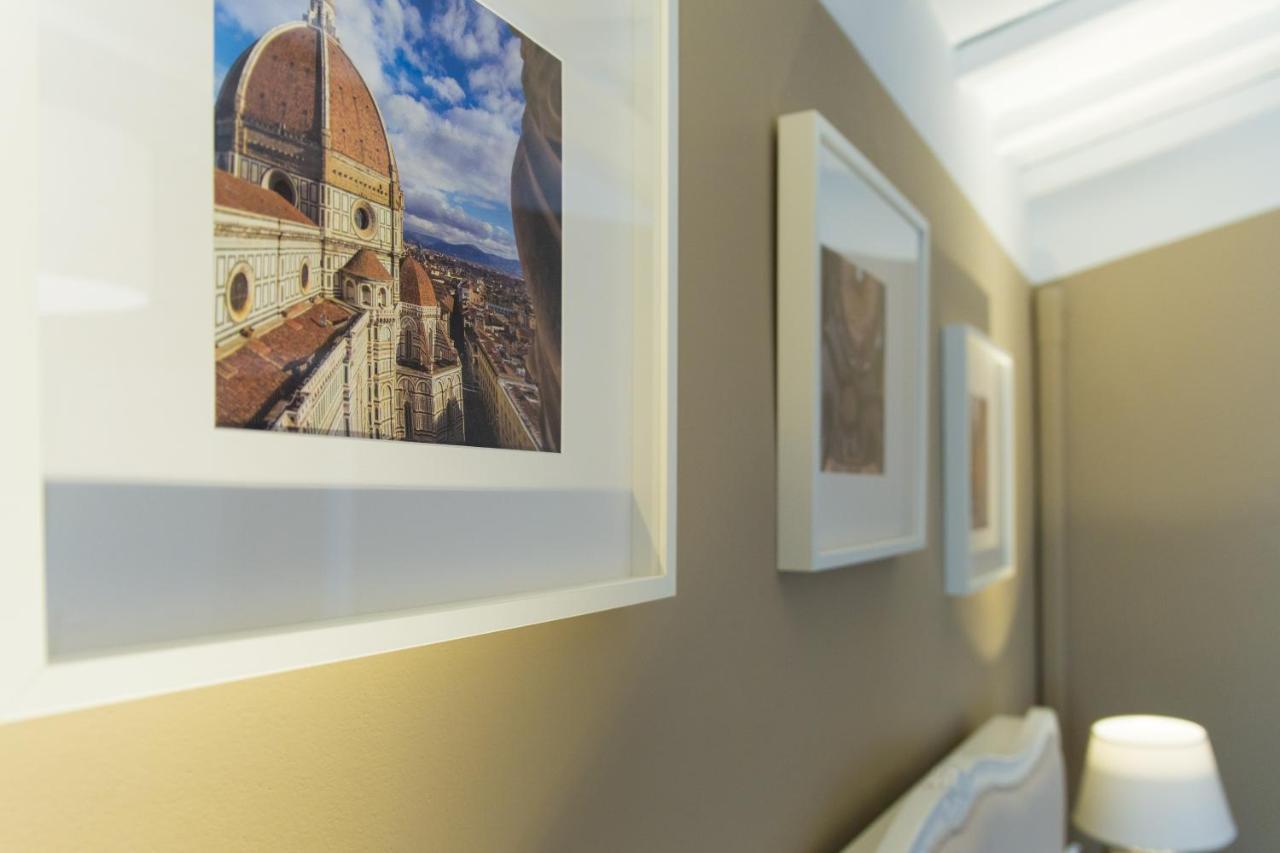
{"x":1002,"y":791}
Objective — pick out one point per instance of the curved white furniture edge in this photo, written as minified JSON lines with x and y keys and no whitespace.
{"x":1000,"y":756}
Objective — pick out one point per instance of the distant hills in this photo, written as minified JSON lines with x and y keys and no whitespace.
{"x":470,"y":254}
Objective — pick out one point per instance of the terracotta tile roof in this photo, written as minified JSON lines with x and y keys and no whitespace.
{"x":268,"y":370}
{"x":416,"y":287}
{"x":366,"y":265}
{"x":239,"y":194}
{"x":355,"y":126}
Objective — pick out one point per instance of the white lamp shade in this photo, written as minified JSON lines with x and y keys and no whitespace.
{"x":1152,"y":783}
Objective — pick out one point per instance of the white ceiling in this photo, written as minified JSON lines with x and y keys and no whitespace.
{"x":1075,"y":88}
{"x":1070,"y":94}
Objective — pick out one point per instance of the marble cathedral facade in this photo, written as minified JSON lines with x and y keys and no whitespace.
{"x":323,"y":323}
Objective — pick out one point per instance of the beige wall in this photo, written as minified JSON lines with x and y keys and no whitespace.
{"x":754,"y":712}
{"x":1173,"y":501}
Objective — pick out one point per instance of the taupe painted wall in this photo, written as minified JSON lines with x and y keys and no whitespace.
{"x":1173,"y":501}
{"x":752,"y":712}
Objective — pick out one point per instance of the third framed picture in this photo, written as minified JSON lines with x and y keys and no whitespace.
{"x":977,"y":424}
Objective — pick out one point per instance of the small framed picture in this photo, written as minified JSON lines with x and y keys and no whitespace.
{"x":977,"y":421}
{"x":853,"y":355}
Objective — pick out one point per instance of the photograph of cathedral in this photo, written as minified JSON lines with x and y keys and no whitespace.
{"x":387,"y":223}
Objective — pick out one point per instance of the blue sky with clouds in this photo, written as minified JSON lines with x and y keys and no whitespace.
{"x":446,"y":75}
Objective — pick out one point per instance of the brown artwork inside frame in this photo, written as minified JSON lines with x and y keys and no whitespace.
{"x":853,"y":368}
{"x":979,"y":463}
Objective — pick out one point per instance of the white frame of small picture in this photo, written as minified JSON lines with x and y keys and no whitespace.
{"x":636,"y":555}
{"x":978,"y":553}
{"x":833,"y":203}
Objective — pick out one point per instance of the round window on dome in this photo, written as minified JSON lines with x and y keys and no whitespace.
{"x":363,"y":219}
{"x":304,"y":276}
{"x":240,"y":293}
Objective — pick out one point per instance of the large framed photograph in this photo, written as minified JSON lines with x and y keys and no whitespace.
{"x":853,"y":355}
{"x":353,"y":326}
{"x":978,"y":476}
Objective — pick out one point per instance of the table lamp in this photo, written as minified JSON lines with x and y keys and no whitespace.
{"x":1151,"y":784}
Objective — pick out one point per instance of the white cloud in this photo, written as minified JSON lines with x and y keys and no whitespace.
{"x":503,"y":73}
{"x":446,"y":88}
{"x":471,"y":31}
{"x":496,"y":85}
{"x":375,"y":35}
{"x":400,"y":16}
{"x":463,"y":150}
{"x":439,"y":218}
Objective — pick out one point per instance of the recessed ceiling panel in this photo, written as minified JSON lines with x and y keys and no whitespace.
{"x":1082,"y":98}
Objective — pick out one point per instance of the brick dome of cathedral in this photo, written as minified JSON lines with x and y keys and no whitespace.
{"x":415,"y":284}
{"x":277,"y":84}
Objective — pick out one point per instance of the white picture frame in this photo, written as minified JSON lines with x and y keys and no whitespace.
{"x":979,"y":520}
{"x":35,"y":682}
{"x":832,"y":198}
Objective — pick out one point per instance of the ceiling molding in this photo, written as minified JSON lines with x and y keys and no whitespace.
{"x":1045,"y":110}
{"x":1206,"y":184}
{"x":1007,"y":40}
{"x":1209,"y":53}
{"x":961,"y":20}
{"x":1130,"y":143}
